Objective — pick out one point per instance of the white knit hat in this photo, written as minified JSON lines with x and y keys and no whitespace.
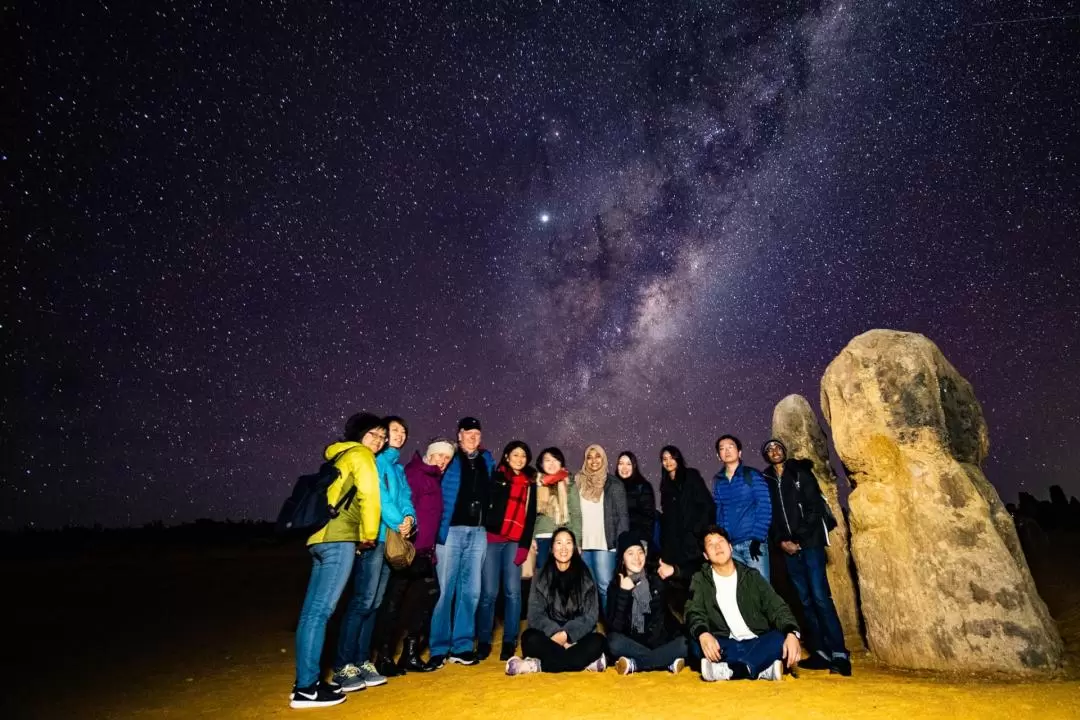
{"x":439,"y":445}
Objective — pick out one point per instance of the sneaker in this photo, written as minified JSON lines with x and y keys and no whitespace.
{"x":625,"y":666}
{"x":816,"y":661}
{"x":773,"y":672}
{"x":370,"y":675}
{"x":348,"y":679}
{"x":522,"y":666}
{"x":840,"y":666}
{"x":713,"y":671}
{"x":463,"y":658}
{"x":676,"y":666}
{"x":317,"y":695}
{"x":435,"y":662}
{"x":483,"y":651}
{"x":597,"y":665}
{"x":508,"y":651}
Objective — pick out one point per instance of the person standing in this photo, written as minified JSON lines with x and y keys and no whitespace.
{"x":743,"y":506}
{"x":800,"y":529}
{"x":510,"y":519}
{"x":460,"y":549}
{"x":640,"y":497}
{"x":333,"y":549}
{"x":688,"y":509}
{"x":598,"y":516}
{"x":552,"y":501}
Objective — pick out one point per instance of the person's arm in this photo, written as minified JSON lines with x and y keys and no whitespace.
{"x":619,"y":603}
{"x":392,"y":510}
{"x":622,"y":512}
{"x":530,"y":519}
{"x":573,"y":507}
{"x":697,"y":608}
{"x":763,"y":513}
{"x":718,"y":500}
{"x":366,"y":479}
{"x":707,"y":513}
{"x":648,"y":505}
{"x":585,"y":623}
{"x":812,"y":502}
{"x":537,"y":613}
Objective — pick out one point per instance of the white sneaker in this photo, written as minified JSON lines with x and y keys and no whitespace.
{"x":773,"y":672}
{"x":522,"y":666}
{"x":598,"y":665}
{"x":713,"y":671}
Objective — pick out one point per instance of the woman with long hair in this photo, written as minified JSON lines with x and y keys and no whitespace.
{"x":640,"y":497}
{"x":563,"y":610}
{"x":552,"y":500}
{"x":688,"y":509}
{"x":641,"y":631}
{"x":597,"y":503}
{"x":509,"y":521}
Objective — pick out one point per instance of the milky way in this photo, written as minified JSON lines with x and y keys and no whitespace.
{"x":230,"y":225}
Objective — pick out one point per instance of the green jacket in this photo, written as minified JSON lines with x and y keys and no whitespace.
{"x":761,"y":608}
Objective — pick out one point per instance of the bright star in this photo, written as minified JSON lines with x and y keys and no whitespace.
{"x":544,"y":217}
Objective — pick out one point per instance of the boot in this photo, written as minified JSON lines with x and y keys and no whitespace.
{"x":410,"y":660}
{"x":385,"y":664}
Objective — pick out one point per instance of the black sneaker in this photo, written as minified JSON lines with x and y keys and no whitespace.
{"x":483,"y":651}
{"x":840,"y":666}
{"x":508,"y":651}
{"x":435,"y":662}
{"x":815,"y":662}
{"x":463,"y":658}
{"x":317,"y":695}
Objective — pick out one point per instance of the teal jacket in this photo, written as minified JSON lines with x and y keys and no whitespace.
{"x":394,"y":492}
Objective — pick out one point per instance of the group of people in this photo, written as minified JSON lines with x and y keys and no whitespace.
{"x":686,"y":584}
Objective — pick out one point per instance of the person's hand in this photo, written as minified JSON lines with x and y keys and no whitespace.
{"x":561,"y":638}
{"x":520,"y":555}
{"x":792,"y":650}
{"x":665,"y":571}
{"x":710,"y":647}
{"x":789,"y":547}
{"x":535,"y":547}
{"x":755,"y":549}
{"x":625,"y":582}
{"x":364,"y":545}
{"x":406,"y":526}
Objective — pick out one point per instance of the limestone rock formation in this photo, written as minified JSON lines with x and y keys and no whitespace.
{"x":795,"y":424}
{"x":942,"y":580}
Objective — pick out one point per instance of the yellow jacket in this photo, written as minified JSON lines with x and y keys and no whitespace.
{"x":360,"y":520}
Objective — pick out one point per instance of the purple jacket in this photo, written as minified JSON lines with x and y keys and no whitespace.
{"x":427,"y":498}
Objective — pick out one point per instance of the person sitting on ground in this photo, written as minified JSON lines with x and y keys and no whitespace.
{"x":563,"y":610}
{"x":742,"y":627}
{"x":642,"y":632}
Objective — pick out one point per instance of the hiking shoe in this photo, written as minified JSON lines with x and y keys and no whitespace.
{"x":713,"y":671}
{"x":370,"y":675}
{"x":676,"y":666}
{"x":625,"y":666}
{"x":522,"y":666}
{"x":483,"y":651}
{"x":773,"y":672}
{"x":840,"y":666}
{"x":435,"y":662}
{"x":348,"y":679}
{"x":598,"y":665}
{"x":463,"y":658}
{"x":816,"y":661}
{"x":508,"y":651}
{"x":313,"y":696}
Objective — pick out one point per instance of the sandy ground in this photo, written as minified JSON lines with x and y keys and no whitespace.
{"x":152,"y":633}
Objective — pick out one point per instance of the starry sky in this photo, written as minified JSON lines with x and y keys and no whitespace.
{"x":229,"y":225}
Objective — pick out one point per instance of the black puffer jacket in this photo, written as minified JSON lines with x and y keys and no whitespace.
{"x":640,"y":505}
{"x":688,"y":509}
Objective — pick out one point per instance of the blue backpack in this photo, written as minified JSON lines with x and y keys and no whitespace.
{"x":308,"y":508}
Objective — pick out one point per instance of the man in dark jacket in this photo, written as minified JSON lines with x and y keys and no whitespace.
{"x":742,"y":628}
{"x":801,"y":531}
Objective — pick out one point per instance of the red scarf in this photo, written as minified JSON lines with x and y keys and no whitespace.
{"x":517,"y":505}
{"x":549,"y":480}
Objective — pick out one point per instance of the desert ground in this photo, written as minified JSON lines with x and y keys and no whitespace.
{"x":181,"y":629}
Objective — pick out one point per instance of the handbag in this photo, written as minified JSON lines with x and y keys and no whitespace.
{"x":399,"y":551}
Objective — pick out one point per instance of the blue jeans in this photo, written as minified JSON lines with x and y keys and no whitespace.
{"x":757,"y":654}
{"x":601,"y":564}
{"x":369,"y":577}
{"x":543,"y":552}
{"x":499,"y":566}
{"x":331,"y":563}
{"x":460,"y":565}
{"x":741,"y":552}
{"x":824,"y":634}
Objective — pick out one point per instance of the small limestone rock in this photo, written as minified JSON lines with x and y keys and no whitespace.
{"x":942,"y":580}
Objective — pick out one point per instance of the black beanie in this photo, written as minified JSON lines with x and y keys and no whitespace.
{"x":627,"y":539}
{"x":769,"y":442}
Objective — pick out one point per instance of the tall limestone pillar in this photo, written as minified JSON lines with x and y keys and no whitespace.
{"x":795,"y":424}
{"x":942,"y":580}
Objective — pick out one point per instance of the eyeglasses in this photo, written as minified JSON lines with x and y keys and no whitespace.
{"x":381,"y":437}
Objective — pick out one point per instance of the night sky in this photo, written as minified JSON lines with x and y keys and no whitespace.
{"x":229,"y":225}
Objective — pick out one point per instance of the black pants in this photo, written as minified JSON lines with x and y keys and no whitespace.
{"x":555,"y":658}
{"x":658,"y":658}
{"x":411,"y":594}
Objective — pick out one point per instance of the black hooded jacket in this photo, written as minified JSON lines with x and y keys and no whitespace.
{"x":797,"y":505}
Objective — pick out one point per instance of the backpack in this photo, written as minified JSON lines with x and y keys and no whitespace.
{"x":308,"y":509}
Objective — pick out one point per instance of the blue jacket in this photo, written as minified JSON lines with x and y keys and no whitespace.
{"x":743,"y":509}
{"x":451,"y":481}
{"x":394,"y":492}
